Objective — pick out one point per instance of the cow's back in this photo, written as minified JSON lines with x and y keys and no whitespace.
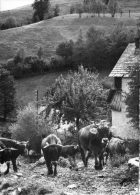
{"x":88,"y":137}
{"x":8,"y":142}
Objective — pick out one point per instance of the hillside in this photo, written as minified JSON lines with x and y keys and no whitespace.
{"x":48,"y":34}
{"x":26,"y":12}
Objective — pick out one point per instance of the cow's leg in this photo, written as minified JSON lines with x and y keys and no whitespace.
{"x":83,"y":156}
{"x":8,"y":166}
{"x":73,"y":162}
{"x":101,"y":161}
{"x":87,"y":157}
{"x":49,"y":166}
{"x":14,"y":165}
{"x":96,"y":161}
{"x":55,"y":168}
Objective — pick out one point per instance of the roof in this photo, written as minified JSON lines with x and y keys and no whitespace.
{"x":127,"y":59}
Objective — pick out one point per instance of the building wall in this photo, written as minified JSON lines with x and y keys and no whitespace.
{"x":120,"y":123}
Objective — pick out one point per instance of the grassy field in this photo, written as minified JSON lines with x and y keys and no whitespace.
{"x":24,"y":12}
{"x":48,"y":34}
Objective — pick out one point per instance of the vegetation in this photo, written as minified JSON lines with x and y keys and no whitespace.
{"x":113,"y":7}
{"x":54,"y":31}
{"x":7,"y":94}
{"x":9,"y":22}
{"x":99,"y":51}
{"x":41,"y":7}
{"x":79,"y":96}
{"x":28,"y":124}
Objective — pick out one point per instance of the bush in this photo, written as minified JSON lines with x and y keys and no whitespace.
{"x":56,"y":63}
{"x":9,"y":23}
{"x":28,"y":124}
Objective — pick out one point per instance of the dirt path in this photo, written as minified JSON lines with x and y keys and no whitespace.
{"x":82,"y":182}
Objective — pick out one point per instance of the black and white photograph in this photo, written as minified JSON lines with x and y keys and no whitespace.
{"x":69,"y":97}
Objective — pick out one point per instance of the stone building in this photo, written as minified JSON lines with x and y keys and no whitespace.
{"x":121,"y":125}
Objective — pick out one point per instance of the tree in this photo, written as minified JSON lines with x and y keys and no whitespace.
{"x":56,"y":10}
{"x":132,"y":99}
{"x":7,"y":94}
{"x":41,"y":7}
{"x":96,"y":46}
{"x":65,"y":50}
{"x":113,"y":7}
{"x":79,"y":97}
{"x":40,"y":53}
{"x":79,"y":51}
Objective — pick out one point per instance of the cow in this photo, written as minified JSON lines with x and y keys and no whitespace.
{"x":10,"y":143}
{"x":50,"y":139}
{"x":90,"y":141}
{"x":9,"y":151}
{"x":54,"y":151}
{"x":7,"y":155}
{"x":115,"y":146}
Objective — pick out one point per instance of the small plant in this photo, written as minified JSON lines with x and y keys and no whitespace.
{"x":28,"y":124}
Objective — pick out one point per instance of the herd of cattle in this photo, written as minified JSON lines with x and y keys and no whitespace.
{"x":89,"y":141}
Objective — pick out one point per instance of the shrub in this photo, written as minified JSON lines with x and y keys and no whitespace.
{"x":28,"y":124}
{"x":56,"y":63}
{"x":9,"y":22}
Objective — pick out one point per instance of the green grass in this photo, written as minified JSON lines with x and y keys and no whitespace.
{"x":48,"y":34}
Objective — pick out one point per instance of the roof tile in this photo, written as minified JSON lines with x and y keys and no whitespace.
{"x":127,"y":59}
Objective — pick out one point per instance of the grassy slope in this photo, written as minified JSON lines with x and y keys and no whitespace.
{"x":48,"y":34}
{"x":26,"y":11}
{"x":21,"y":14}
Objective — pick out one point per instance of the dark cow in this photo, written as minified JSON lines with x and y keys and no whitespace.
{"x":10,"y":143}
{"x":90,"y":141}
{"x":50,"y":139}
{"x":54,"y":151}
{"x":7,"y":155}
{"x":115,"y":146}
{"x":10,"y":150}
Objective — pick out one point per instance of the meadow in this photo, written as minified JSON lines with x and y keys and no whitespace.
{"x":50,"y":33}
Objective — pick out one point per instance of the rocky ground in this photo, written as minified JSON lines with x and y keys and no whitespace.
{"x":85,"y":181}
